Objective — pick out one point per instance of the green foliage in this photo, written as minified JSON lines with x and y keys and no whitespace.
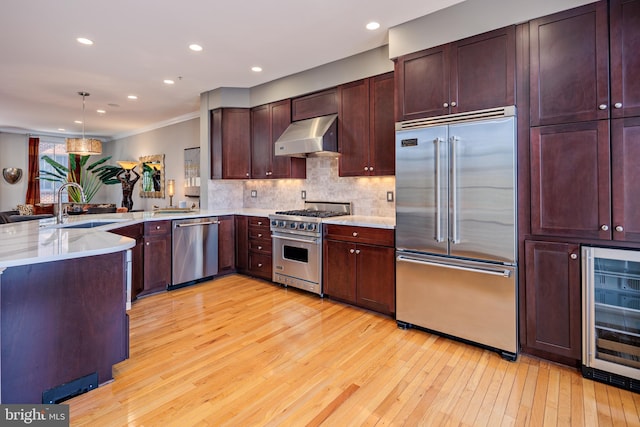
{"x":90,"y":178}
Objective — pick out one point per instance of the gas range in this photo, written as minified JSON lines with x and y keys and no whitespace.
{"x":297,"y":244}
{"x":307,"y":221}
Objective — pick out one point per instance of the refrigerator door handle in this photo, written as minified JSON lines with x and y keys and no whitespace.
{"x":438,"y":236}
{"x":455,"y":238}
{"x":492,"y":271}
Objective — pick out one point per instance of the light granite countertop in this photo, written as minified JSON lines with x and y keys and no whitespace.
{"x":32,"y":242}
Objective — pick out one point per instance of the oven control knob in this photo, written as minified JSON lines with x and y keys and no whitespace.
{"x":274,"y":223}
{"x":301,"y":226}
{"x":282,"y":224}
{"x":293,"y":225}
{"x":311,"y":227}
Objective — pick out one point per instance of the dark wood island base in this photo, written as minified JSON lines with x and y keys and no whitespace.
{"x":61,"y":321}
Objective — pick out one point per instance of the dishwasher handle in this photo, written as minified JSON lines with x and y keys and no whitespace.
{"x":494,"y":272}
{"x":193,"y":224}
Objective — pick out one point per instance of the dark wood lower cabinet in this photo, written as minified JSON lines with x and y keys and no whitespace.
{"x":253,"y":246}
{"x":226,"y":244}
{"x":157,"y":256}
{"x":553,"y":304}
{"x":135,"y":231}
{"x":242,"y":243}
{"x":361,"y":274}
{"x":61,"y":321}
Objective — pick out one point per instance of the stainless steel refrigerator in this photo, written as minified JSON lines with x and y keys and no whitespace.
{"x":456,"y":257}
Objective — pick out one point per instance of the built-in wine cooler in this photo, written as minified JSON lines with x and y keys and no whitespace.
{"x":611,"y":316}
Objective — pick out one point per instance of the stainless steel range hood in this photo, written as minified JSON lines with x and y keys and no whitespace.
{"x":310,"y":138}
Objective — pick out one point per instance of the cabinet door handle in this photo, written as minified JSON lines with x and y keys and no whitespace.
{"x":157,"y":227}
{"x":148,"y":243}
{"x":573,"y":256}
{"x":617,"y":105}
{"x":619,"y":228}
{"x":602,"y":106}
{"x":454,"y":103}
{"x":445,"y":105}
{"x":351,"y":251}
{"x":259,"y":248}
{"x":366,"y":168}
{"x":246,"y":174}
{"x":260,"y":265}
{"x":355,"y":234}
{"x":604,"y":227}
{"x":259,"y":234}
{"x":259,"y":222}
{"x":357,"y":251}
{"x":370,"y":168}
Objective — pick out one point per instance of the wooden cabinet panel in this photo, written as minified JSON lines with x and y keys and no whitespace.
{"x":483,"y":71}
{"x":231,"y":143}
{"x":257,"y":247}
{"x":226,"y":244}
{"x":471,"y":74}
{"x":569,"y":66}
{"x":422,"y":84}
{"x":339,"y":271}
{"x":360,"y":273}
{"x":553,"y":304}
{"x":353,"y":128}
{"x":242,"y":243}
{"x":376,"y":278}
{"x":625,"y":170}
{"x":382,"y":131}
{"x":570,"y":180}
{"x":157,"y":256}
{"x":268,"y":122}
{"x":624,"y":16}
{"x":135,"y":231}
{"x":314,"y":105}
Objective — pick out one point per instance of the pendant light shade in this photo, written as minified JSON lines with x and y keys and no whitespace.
{"x":83,"y":146}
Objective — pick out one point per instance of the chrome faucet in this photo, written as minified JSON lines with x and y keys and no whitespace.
{"x":61,"y":214}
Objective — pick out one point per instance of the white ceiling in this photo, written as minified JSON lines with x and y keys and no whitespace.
{"x":139,"y":43}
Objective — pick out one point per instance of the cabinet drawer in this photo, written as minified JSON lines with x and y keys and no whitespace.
{"x":259,"y":233}
{"x":157,"y":227}
{"x":259,"y":245}
{"x":260,"y":265}
{"x":258,"y":222}
{"x":371,"y":235}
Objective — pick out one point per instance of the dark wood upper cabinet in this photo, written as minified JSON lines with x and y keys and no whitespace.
{"x":471,"y":74}
{"x":314,"y":105}
{"x":625,"y":171}
{"x":624,"y":16}
{"x":366,"y":133}
{"x":268,"y":122}
{"x":230,"y":143}
{"x":553,"y":321}
{"x":569,"y":78}
{"x":570,"y":180}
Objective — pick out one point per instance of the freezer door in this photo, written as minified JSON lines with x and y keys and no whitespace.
{"x":469,"y":300}
{"x":421,"y":190}
{"x":483,"y":190}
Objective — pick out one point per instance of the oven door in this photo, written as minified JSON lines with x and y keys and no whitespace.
{"x":297,"y":256}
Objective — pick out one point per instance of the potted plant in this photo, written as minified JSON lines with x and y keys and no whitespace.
{"x":90,"y":177}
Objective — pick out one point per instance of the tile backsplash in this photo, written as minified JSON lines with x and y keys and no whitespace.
{"x":367,"y":195}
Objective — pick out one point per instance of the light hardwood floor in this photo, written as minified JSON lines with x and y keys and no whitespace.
{"x":241,"y":352}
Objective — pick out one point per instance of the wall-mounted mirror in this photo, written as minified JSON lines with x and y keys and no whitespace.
{"x":152,"y":176}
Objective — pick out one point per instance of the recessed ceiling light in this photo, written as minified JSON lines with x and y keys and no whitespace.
{"x":168,"y":81}
{"x":113,"y":105}
{"x":256,"y":69}
{"x":373,"y":26}
{"x":132,"y":97}
{"x":195,"y":47}
{"x":83,"y":40}
{"x":61,"y":129}
{"x":78,"y":122}
{"x":101,"y":111}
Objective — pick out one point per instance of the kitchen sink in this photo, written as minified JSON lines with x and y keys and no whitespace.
{"x":89,"y":224}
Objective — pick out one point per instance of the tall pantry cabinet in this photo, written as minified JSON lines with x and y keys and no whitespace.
{"x":584,"y":158}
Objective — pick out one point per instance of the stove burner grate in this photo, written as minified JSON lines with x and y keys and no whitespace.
{"x":311,"y":213}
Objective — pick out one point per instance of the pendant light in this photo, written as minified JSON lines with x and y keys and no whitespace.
{"x":83,"y":146}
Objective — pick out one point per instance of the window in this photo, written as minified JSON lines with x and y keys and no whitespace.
{"x":58,"y":152}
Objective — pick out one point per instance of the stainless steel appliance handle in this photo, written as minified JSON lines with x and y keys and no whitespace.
{"x":193,"y":224}
{"x":438,"y":235}
{"x":494,"y":272}
{"x":294,"y":239}
{"x":454,"y":192}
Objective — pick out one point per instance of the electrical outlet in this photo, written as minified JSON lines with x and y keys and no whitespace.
{"x":303,"y":194}
{"x":254,"y":193}
{"x":389,"y":196}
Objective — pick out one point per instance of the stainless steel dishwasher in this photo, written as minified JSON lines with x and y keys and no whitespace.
{"x":194,"y":252}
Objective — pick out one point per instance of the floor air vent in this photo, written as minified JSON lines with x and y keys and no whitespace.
{"x":71,"y":389}
{"x":611,"y":379}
